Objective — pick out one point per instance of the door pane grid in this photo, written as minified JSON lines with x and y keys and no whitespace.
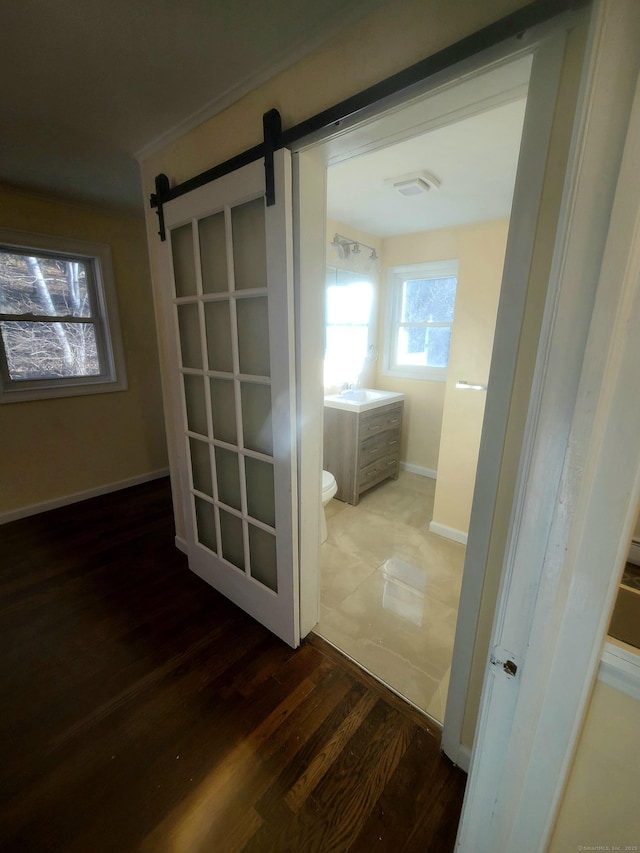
{"x":228,"y":508}
{"x":239,"y":338}
{"x":202,"y":341}
{"x":242,"y":512}
{"x":195,"y":403}
{"x":245,"y":512}
{"x":200,"y":467}
{"x":245,"y":451}
{"x":249,"y":243}
{"x":231,"y":275}
{"x":235,"y":356}
{"x":196,"y":256}
{"x":204,"y":520}
{"x":182,"y":271}
{"x":247,"y":548}
{"x":213,"y":253}
{"x":230,"y":308}
{"x":254,"y":454}
{"x":266,"y":527}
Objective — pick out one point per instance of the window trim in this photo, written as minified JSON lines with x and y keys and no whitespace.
{"x":396,"y":275}
{"x":106,"y":321}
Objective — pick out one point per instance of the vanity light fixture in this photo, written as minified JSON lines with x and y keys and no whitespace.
{"x":415,"y":183}
{"x":345,"y":247}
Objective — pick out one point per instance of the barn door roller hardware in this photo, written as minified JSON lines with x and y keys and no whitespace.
{"x":274,"y":138}
{"x":272,"y":131}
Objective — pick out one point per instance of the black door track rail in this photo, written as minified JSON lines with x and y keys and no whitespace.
{"x":275,"y":138}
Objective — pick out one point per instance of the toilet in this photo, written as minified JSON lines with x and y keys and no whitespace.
{"x":329,"y":488}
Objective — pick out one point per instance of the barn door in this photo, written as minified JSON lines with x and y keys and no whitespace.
{"x":229,"y":306}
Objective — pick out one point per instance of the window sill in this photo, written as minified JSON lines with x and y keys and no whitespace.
{"x":28,"y":395}
{"x":434,"y":374}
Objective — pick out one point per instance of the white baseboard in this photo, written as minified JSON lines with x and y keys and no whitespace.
{"x":181,"y":544}
{"x":76,"y":497}
{"x":448,"y":532}
{"x":634,"y":552}
{"x":417,"y":469}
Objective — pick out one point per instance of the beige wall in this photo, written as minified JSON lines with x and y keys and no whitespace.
{"x":480,"y":254}
{"x":429,"y":441}
{"x":422,"y":424}
{"x":54,"y":448}
{"x":600,"y":803}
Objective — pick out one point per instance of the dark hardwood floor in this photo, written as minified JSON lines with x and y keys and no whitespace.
{"x":142,"y":711}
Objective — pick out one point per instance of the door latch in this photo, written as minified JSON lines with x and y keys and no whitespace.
{"x":503,"y":658}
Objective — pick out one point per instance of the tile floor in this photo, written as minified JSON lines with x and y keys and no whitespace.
{"x":390,"y":589}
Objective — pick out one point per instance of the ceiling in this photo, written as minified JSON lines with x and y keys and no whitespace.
{"x":474,"y":158}
{"x":89,"y":83}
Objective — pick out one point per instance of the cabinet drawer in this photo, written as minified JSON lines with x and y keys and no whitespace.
{"x":386,"y":466}
{"x":382,"y":444}
{"x":379,"y":420}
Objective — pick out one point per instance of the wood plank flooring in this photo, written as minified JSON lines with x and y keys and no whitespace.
{"x":139,"y":710}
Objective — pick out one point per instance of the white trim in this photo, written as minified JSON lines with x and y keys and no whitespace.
{"x":418,"y":469}
{"x":76,"y":497}
{"x":310,"y":219}
{"x":620,"y":668}
{"x":634,"y":552}
{"x":579,"y":482}
{"x":396,"y":276}
{"x":545,"y":74}
{"x":104,"y":317}
{"x":448,"y":532}
{"x":182,"y":545}
{"x":328,"y":28}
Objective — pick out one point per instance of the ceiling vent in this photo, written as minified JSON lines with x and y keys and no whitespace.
{"x":415,"y":183}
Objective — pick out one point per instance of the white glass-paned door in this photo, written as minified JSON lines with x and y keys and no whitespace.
{"x":229,"y":308}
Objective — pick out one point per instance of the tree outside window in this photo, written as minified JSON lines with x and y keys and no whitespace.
{"x":56,"y":323}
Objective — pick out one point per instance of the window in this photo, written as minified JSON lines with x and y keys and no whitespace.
{"x":349,"y":301}
{"x":420,"y":316}
{"x":58,"y":319}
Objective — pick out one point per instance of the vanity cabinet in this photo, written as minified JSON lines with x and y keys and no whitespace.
{"x":361,"y":449}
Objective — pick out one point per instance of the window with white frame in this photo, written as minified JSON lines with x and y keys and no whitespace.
{"x":347,"y":329}
{"x":420,"y":310}
{"x":59,"y":331}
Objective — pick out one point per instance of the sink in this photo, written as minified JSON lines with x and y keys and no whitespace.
{"x":361,"y":399}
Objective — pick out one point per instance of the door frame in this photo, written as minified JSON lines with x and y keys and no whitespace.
{"x":579,"y":479}
{"x":547,"y":44}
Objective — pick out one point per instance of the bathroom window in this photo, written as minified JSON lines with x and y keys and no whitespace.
{"x":58,"y":319}
{"x":421,"y":306}
{"x":349,"y":298}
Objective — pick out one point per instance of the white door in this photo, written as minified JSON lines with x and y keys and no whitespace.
{"x":228,"y":306}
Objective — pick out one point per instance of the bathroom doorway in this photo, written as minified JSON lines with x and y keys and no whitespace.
{"x":421,"y":226}
{"x":467,"y":91}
